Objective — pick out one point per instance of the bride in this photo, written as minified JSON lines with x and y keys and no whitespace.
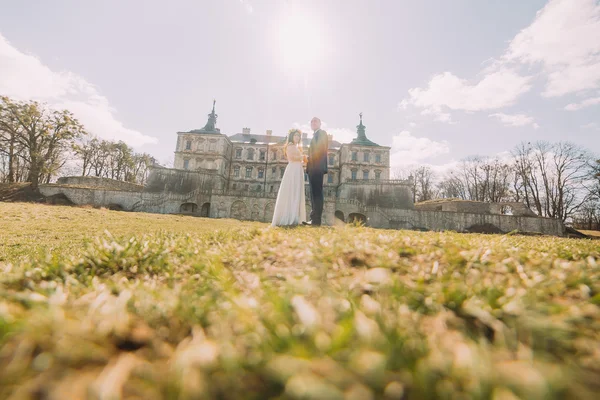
{"x":290,"y":208}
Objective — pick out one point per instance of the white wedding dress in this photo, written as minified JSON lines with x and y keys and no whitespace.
{"x":290,"y":208}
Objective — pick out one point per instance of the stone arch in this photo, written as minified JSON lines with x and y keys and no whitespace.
{"x":340,"y":215}
{"x":255,"y":215}
{"x":269,"y":209}
{"x":239,"y":210}
{"x":205,"y":210}
{"x":357,"y":217}
{"x":188,"y":208}
{"x":115,"y":207}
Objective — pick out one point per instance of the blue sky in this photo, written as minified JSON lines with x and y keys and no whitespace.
{"x":436,"y":80}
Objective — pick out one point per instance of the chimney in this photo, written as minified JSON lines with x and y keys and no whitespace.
{"x":246,"y":131}
{"x":269,"y":132}
{"x":304,"y":135}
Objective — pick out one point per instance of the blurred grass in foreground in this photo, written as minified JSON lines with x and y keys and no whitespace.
{"x":188,"y":308}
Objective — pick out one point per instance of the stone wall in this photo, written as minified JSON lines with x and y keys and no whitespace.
{"x":95,"y":197}
{"x":182,"y":181}
{"x":462,"y":222}
{"x":259,"y":207}
{"x":100,"y":183}
{"x":388,"y":194}
{"x":476,"y":207}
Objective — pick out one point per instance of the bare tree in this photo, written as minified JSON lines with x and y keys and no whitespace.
{"x":479,"y":179}
{"x":115,"y":160}
{"x":424,"y":184}
{"x":551,"y":177}
{"x":452,"y":187}
{"x":10,"y":147}
{"x":44,"y":134}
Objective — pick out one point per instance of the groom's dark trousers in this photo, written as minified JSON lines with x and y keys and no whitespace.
{"x":316,"y":168}
{"x":315,"y":180}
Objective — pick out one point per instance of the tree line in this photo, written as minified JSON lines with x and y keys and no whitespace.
{"x":38,"y":144}
{"x":557,"y":180}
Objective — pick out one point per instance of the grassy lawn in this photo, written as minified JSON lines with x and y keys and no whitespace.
{"x":591,"y":233}
{"x":105,"y":305}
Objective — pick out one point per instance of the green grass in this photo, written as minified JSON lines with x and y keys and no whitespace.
{"x":103,"y":304}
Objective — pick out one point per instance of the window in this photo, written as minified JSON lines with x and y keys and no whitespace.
{"x":261,"y":173}
{"x":245,"y":187}
{"x":377,"y":175}
{"x":258,"y":188}
{"x":305,"y":177}
{"x":354,"y":156}
{"x":366,"y":157}
{"x":262,"y":155}
{"x":331,"y":159}
{"x":329,"y":178}
{"x":282,"y":171}
{"x":236,"y":171}
{"x":238,"y":153}
{"x":234,"y":186}
{"x":365,"y":174}
{"x":248,"y":172}
{"x":378,"y":158}
{"x":354,"y":174}
{"x":274,"y":154}
{"x":273,"y":170}
{"x":186,"y":164}
{"x":212,"y":146}
{"x":271,"y":190}
{"x":188,"y":144}
{"x":250,"y":154}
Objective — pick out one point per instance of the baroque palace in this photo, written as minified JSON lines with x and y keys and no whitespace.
{"x":237,"y":176}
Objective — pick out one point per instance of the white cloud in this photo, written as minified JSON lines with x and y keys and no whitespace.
{"x":495,"y":90}
{"x":515,"y":119}
{"x":412,"y":124}
{"x":408,"y":149}
{"x":591,"y":125}
{"x":585,"y":103}
{"x":24,"y":77}
{"x":561,"y":45}
{"x":438,"y":115}
{"x":563,"y":39}
{"x":247,"y":6}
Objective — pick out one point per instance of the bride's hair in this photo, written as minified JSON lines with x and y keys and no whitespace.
{"x":290,"y":139}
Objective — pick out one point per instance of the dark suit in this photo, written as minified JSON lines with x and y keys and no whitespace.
{"x":316,"y":168}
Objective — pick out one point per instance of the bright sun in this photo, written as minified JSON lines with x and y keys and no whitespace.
{"x":300,"y":41}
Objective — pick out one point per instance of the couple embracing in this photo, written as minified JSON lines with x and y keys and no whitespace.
{"x":290,"y":207}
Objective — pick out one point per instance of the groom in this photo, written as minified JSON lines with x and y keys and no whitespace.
{"x":316,"y":167}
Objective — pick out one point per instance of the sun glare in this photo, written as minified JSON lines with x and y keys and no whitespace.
{"x":300,"y":41}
